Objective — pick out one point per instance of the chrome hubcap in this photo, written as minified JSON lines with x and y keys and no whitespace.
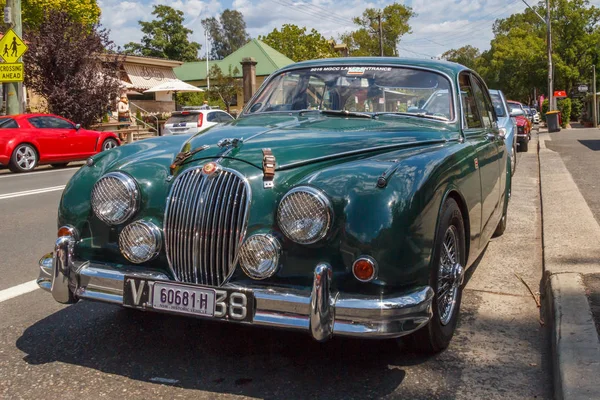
{"x":513,"y":161}
{"x":450,"y":275}
{"x":109,"y":144}
{"x":25,"y":158}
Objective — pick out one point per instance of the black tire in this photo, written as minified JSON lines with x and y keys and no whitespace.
{"x":524,"y":145}
{"x":437,"y":334}
{"x":60,"y":165}
{"x":109,"y":143}
{"x":24,"y":158}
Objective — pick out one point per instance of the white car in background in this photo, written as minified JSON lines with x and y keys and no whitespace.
{"x":194,"y":121}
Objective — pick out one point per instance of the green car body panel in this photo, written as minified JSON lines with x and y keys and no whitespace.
{"x":423,"y":161}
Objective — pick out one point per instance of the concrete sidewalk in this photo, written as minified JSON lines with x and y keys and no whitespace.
{"x":571,"y":240}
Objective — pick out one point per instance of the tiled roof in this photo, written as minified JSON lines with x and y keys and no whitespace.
{"x":268,"y":61}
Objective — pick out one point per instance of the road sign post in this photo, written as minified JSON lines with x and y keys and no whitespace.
{"x":14,"y":89}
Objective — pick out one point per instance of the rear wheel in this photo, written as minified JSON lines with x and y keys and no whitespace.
{"x":109,"y":144}
{"x":23,"y":159}
{"x":446,"y":279}
{"x":524,"y":145}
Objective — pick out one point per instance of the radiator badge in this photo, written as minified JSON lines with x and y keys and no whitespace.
{"x":209,"y":168}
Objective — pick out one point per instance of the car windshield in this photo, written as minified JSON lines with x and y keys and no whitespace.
{"x":515,"y":107}
{"x":364,"y":89}
{"x":497,"y":100}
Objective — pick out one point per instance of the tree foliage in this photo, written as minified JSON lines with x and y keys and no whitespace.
{"x":365,"y":40}
{"x":466,"y":55}
{"x":165,"y":37}
{"x":227,"y":34}
{"x":75,"y":87}
{"x":224,"y":87}
{"x":86,"y":12}
{"x":297,"y":44}
{"x":517,"y":59}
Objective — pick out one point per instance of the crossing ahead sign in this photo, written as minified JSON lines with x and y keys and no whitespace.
{"x":11,"y":72}
{"x":12,"y":47}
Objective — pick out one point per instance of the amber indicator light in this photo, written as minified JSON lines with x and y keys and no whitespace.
{"x":364,"y":269}
{"x":64,"y":231}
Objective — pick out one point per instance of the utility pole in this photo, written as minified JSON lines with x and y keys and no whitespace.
{"x":380,"y":35}
{"x":14,"y":90}
{"x":594,"y":100}
{"x":550,"y":83}
{"x":207,"y":55}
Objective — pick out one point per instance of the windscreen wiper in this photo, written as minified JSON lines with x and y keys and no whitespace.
{"x":417,"y":115}
{"x":340,"y":113}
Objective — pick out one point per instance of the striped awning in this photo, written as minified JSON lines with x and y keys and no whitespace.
{"x":147,"y":76}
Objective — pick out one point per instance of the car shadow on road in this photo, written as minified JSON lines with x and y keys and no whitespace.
{"x":215,"y":357}
{"x":593,"y":145}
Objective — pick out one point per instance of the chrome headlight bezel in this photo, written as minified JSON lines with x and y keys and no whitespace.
{"x":245,"y":253}
{"x":133,"y":197}
{"x":151,"y":230}
{"x":326,"y":209}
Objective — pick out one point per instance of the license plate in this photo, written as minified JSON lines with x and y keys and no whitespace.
{"x":202,"y":301}
{"x":183,"y":299}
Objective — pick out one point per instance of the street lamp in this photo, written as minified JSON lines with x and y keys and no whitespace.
{"x":549,"y":38}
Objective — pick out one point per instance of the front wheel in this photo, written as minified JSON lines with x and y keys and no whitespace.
{"x":109,"y":144}
{"x":24,"y":158}
{"x":446,"y":279}
{"x":513,"y":160}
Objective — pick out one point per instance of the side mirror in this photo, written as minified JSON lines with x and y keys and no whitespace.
{"x":77,"y":127}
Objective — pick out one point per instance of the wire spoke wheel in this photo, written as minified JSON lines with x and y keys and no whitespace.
{"x":447,"y":287}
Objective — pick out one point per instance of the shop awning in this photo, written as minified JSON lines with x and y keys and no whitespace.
{"x":146,"y":76}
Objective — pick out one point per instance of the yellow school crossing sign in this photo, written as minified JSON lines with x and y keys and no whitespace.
{"x":12,"y":47}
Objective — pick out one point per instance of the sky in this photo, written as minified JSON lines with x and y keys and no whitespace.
{"x":439,"y":25}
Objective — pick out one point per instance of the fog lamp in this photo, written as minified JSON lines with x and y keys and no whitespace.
{"x":365,"y":269}
{"x":140,"y":241}
{"x":259,"y":256}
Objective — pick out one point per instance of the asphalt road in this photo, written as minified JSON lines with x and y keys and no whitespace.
{"x":90,"y":350}
{"x":580,"y":150}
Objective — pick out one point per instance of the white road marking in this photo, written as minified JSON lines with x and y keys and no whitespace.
{"x":30,"y":192}
{"x":18,"y":290}
{"x":13,"y":175}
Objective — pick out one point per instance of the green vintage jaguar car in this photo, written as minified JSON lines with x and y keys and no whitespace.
{"x":348,"y":199}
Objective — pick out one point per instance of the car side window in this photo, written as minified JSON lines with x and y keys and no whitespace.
{"x":223,"y":117}
{"x":50,"y":123}
{"x":471,"y":117}
{"x":8,"y":123}
{"x":483,"y":103}
{"x":212,"y":117}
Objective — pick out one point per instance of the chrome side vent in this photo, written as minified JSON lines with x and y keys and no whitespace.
{"x":205,"y":224}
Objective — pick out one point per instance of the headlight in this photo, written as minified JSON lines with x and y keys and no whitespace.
{"x":115,"y":198}
{"x":140,"y":241}
{"x":304,"y":215}
{"x":259,"y":256}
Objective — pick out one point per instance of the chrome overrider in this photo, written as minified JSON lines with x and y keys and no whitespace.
{"x":320,"y":311}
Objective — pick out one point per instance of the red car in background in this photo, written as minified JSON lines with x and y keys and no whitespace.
{"x":29,"y":140}
{"x":523,"y":124}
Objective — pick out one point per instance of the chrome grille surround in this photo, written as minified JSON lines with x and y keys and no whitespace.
{"x":205,"y":224}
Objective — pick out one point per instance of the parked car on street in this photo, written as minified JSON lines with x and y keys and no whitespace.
{"x":536,"y":116}
{"x":523,"y":124}
{"x":29,"y":140}
{"x":194,"y":121}
{"x":326,"y":207}
{"x":507,"y":126}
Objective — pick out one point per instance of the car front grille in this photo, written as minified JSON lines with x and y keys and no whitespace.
{"x":205,"y":223}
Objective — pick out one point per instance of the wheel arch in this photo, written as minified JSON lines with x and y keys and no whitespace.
{"x":454,"y":193}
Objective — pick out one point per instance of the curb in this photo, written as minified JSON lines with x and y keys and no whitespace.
{"x":575,"y":345}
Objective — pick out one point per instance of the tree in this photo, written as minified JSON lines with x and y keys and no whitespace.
{"x":298,"y":45}
{"x":365,"y":40}
{"x":76,"y":87}
{"x":224,"y":87}
{"x":85,"y":12}
{"x":227,"y":34}
{"x":466,"y":55}
{"x":165,"y":37}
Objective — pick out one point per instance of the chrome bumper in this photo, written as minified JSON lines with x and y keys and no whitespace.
{"x":320,"y":311}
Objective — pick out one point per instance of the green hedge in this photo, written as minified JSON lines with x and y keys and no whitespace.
{"x":564,"y":106}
